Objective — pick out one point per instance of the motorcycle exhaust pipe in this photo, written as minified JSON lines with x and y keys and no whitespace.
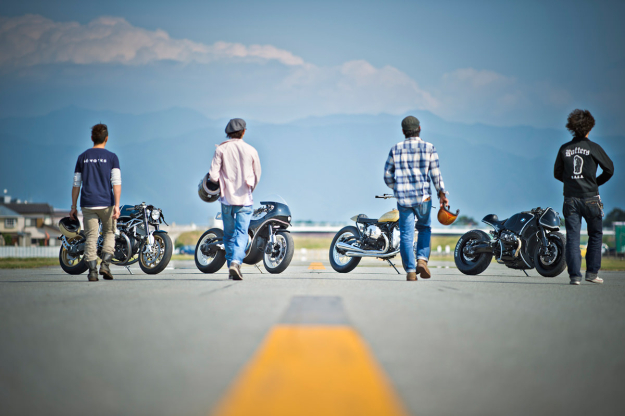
{"x":371,"y":254}
{"x":357,"y":251}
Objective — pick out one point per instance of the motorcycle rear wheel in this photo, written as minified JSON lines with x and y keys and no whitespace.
{"x":210,"y":264}
{"x":551,"y":267}
{"x":472,"y":265}
{"x":340,"y":262}
{"x":77,"y":265}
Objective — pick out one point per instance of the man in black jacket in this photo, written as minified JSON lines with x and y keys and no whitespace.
{"x":576,"y":166}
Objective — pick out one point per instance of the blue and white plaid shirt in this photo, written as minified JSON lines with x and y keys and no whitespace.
{"x":408,"y":170}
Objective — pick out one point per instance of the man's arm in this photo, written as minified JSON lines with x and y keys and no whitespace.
{"x":116,"y":181}
{"x":117,"y":193}
{"x":215,"y":166}
{"x":558,"y":168}
{"x":437,"y":178}
{"x":389,"y":171}
{"x":257,"y":169}
{"x":74,"y":211}
{"x":607,"y":166}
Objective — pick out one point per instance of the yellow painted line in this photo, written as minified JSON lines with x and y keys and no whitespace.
{"x":316,"y":266}
{"x":316,"y":370}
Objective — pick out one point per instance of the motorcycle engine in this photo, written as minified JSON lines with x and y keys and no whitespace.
{"x":372,"y":232}
{"x":510,"y":244}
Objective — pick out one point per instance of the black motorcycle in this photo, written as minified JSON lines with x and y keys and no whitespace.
{"x":268,"y":240}
{"x":527,"y":240}
{"x":137,"y":239}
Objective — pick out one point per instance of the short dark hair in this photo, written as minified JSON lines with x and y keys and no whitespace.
{"x":580,"y":122}
{"x":412,"y":133}
{"x":99,"y":133}
{"x":236,"y":134}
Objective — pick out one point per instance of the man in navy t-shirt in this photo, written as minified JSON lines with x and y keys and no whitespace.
{"x":97,"y":171}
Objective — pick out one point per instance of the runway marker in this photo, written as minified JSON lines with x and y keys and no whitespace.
{"x":316,"y":266}
{"x":318,"y":369}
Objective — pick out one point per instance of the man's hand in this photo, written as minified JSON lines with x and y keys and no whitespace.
{"x":73,"y":213}
{"x":115,"y":212}
{"x":443,"y":199}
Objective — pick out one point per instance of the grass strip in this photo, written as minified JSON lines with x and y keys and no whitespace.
{"x":27,"y":262}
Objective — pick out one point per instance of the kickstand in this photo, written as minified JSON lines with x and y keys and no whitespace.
{"x":391,"y":263}
{"x":128,"y":268}
{"x":526,"y":273}
{"x":261,"y":272}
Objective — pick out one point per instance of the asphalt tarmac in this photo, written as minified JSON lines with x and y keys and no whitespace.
{"x":496,"y":344}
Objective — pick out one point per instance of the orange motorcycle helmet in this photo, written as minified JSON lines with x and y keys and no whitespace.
{"x":445,"y":216}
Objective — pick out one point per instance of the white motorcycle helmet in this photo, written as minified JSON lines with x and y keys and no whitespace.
{"x":208,"y":190}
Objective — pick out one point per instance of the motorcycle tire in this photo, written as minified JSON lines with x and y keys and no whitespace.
{"x":163,"y":259}
{"x":210,"y":264}
{"x":477,"y":264}
{"x":340,"y":263}
{"x":78,"y":267}
{"x":558,"y":265}
{"x":280,"y":258}
{"x":255,"y":255}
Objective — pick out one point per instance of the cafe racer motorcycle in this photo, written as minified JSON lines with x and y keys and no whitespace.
{"x":138,"y":238}
{"x":370,"y":237}
{"x":268,"y":240}
{"x":526,"y":240}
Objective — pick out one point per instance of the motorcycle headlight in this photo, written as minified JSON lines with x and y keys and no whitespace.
{"x":156,"y":214}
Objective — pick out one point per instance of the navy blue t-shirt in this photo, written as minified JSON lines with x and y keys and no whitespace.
{"x":95,"y":166}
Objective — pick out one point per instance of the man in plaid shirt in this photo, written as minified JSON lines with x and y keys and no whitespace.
{"x":408,"y":170}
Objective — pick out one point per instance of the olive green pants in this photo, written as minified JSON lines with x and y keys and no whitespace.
{"x":90,"y":220}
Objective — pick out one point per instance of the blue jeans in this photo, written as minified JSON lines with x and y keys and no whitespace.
{"x":591,"y":210}
{"x":236,"y":220}
{"x":407,"y":217}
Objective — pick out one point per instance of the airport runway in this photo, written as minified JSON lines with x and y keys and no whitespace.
{"x":181,"y":343}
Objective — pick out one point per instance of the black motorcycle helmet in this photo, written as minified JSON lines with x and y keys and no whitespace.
{"x":69,"y":227}
{"x":208,"y":190}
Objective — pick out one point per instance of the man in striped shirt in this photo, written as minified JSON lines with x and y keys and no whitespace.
{"x":408,"y":170}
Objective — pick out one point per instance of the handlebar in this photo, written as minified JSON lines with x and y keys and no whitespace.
{"x":385,"y":196}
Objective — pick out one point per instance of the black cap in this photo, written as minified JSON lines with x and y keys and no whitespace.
{"x":236,"y":124}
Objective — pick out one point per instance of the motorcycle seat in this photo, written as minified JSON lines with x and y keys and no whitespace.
{"x":365,"y":220}
{"x":494,"y":220}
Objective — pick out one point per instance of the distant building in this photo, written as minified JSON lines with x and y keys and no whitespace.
{"x":27,"y":224}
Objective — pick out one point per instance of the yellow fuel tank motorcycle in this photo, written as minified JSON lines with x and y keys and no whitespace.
{"x":371,"y":237}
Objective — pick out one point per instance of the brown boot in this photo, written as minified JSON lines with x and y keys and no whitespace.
{"x":411,"y":276}
{"x":422,"y":269}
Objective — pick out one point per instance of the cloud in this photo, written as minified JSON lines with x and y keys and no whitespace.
{"x":33,"y":40}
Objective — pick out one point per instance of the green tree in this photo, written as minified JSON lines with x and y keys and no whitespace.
{"x":616,"y":214}
{"x":467,"y":221}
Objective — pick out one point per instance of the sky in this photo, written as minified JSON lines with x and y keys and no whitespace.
{"x":497,"y":63}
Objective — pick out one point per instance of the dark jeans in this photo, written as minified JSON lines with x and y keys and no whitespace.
{"x":592,"y":211}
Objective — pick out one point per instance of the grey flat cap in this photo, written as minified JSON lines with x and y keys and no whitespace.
{"x":236,"y":124}
{"x":410,"y":123}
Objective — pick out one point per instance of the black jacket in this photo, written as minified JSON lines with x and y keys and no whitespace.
{"x":576,"y":166}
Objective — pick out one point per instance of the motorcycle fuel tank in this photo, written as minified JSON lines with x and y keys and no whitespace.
{"x":128,"y":211}
{"x":391,"y":216}
{"x":516,"y":222}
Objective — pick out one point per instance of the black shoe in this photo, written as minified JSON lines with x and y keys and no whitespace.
{"x":235,"y":271}
{"x":105,"y":271}
{"x":93,"y":270}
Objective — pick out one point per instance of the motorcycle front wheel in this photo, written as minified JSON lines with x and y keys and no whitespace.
{"x":215,"y":261}
{"x":477,"y":263}
{"x":70,"y":264}
{"x":552,"y":262}
{"x":281,"y":254}
{"x":153,"y":260}
{"x":339,"y":261}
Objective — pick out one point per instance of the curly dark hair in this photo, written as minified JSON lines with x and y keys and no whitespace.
{"x":99,"y":133}
{"x":580,"y":122}
{"x":236,"y":134}
{"x":412,"y":133}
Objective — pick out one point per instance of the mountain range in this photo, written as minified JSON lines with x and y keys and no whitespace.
{"x":326,"y":168}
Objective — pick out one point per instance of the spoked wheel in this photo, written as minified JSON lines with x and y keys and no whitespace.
{"x":550,"y":261}
{"x":278,"y":256}
{"x":468,"y":262}
{"x":338,"y":260}
{"x":153,"y":259}
{"x":72,"y":264}
{"x":212,"y":260}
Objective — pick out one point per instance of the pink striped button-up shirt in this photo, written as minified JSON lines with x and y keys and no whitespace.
{"x":237,"y":168}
